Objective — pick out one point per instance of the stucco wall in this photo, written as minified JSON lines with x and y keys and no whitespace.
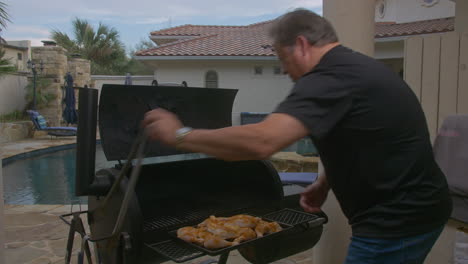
{"x":12,"y":92}
{"x":402,"y":11}
{"x":257,"y":93}
{"x":12,"y":53}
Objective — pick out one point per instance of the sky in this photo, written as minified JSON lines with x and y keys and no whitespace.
{"x":134,"y":20}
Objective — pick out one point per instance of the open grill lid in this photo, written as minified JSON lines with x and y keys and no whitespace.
{"x":122,"y":108}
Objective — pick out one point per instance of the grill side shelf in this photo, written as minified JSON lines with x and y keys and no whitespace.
{"x":293,"y":217}
{"x":175,"y":251}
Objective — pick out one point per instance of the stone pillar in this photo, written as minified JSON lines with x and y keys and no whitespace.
{"x":80,"y":70}
{"x":461,"y":17}
{"x":354,"y":23}
{"x":2,"y":222}
{"x":55,"y":66}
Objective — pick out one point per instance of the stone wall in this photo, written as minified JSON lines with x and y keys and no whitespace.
{"x":56,"y":65}
{"x":15,"y":131}
{"x":80,"y":70}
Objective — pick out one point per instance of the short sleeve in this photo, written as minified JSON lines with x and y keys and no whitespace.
{"x":319,"y":101}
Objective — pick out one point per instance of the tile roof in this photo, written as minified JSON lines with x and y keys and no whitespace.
{"x":385,"y":30}
{"x":253,"y":40}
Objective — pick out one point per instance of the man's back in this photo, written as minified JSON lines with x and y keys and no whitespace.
{"x":372,"y":137}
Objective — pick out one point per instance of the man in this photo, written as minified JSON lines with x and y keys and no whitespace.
{"x":370,"y":132}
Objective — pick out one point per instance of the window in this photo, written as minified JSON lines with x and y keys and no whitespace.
{"x":381,"y":7}
{"x":258,"y":70}
{"x":20,"y":56}
{"x":429,"y":3}
{"x":277,"y":70}
{"x":211,"y":79}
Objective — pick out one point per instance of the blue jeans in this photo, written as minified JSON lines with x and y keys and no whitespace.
{"x":408,"y":250}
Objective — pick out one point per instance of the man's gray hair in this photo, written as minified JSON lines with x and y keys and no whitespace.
{"x":316,"y":29}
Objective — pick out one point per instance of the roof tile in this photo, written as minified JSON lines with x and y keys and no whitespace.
{"x":253,"y":40}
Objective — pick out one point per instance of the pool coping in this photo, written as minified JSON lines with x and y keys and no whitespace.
{"x":39,"y":152}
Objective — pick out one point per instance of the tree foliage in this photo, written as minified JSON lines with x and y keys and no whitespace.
{"x":102,"y":46}
{"x":4,"y":17}
{"x":5,"y":63}
{"x":43,"y":97}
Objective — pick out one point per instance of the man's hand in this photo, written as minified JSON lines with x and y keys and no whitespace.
{"x":315,"y":195}
{"x":161,"y":125}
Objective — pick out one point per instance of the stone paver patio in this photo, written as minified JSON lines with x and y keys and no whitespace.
{"x":35,"y":235}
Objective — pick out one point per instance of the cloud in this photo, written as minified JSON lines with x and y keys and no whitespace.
{"x":30,"y":30}
{"x":156,"y":20}
{"x":34,"y":41}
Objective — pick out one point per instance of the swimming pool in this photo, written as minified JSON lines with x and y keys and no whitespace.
{"x":45,"y":179}
{"x":50,"y":178}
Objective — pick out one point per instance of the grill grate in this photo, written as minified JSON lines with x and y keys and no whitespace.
{"x":169,"y":222}
{"x":290,"y":217}
{"x":169,"y":219}
{"x":176,"y":251}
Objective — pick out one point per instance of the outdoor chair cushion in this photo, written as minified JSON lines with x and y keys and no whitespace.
{"x":40,"y":123}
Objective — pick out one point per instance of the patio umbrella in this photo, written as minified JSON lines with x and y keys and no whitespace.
{"x":69,"y":113}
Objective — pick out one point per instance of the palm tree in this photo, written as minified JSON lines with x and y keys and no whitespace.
{"x":102,"y":46}
{"x":4,"y":17}
{"x":5,"y":66}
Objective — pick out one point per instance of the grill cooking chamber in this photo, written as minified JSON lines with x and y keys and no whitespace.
{"x":177,"y":189}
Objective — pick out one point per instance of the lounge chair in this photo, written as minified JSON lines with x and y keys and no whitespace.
{"x":40,"y":124}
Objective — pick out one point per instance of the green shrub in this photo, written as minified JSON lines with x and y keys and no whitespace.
{"x":13,"y":116}
{"x":42,"y":97}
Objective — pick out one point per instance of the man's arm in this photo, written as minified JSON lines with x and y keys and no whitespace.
{"x":315,"y":195}
{"x":253,"y":141}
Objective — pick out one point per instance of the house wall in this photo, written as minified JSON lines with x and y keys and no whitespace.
{"x":257,"y":93}
{"x":12,"y":53}
{"x":12,"y":92}
{"x":402,"y":11}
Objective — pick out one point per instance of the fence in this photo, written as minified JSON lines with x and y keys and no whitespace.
{"x":436,"y":70}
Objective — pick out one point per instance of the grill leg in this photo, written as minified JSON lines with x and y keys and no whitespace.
{"x":223,"y":258}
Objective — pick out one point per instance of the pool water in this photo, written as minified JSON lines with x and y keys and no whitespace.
{"x":50,"y":178}
{"x":46,"y":179}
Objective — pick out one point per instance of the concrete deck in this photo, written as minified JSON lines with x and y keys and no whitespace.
{"x":35,"y":234}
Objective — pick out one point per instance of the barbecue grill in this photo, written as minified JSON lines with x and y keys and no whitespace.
{"x":135,"y":207}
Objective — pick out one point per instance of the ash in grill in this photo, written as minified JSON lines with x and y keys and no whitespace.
{"x":135,"y":207}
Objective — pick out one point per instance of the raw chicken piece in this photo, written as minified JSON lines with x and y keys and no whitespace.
{"x":190,"y":234}
{"x":243,"y":220}
{"x":212,"y":241}
{"x":244,"y":234}
{"x":264,"y":228}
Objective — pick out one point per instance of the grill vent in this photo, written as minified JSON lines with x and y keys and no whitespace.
{"x":290,"y":217}
{"x":175,"y":251}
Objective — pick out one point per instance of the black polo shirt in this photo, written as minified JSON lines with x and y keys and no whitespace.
{"x":372,"y":137}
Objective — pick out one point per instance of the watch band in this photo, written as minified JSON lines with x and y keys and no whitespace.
{"x":181,"y":133}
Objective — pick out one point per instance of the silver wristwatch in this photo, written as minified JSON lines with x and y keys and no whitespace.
{"x":181,"y":133}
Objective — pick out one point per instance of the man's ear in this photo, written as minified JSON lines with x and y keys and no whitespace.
{"x":302,"y":44}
